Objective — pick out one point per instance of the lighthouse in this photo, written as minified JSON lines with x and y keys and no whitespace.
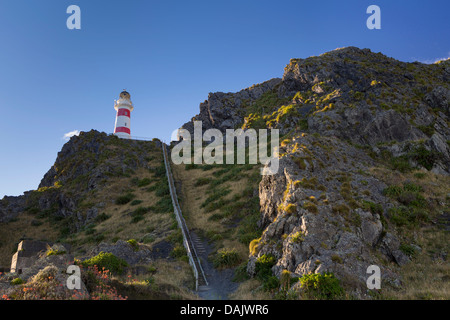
{"x":124,"y":106}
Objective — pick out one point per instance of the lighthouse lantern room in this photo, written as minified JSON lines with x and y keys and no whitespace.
{"x":124,"y":106}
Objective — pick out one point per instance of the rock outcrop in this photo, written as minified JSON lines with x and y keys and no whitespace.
{"x":225,"y":110}
{"x":85,"y":163}
{"x":133,"y":255}
{"x":11,"y":206}
{"x":324,"y":210}
{"x":312,"y":218}
{"x":350,"y":93}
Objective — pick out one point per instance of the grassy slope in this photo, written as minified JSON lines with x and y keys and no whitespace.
{"x":428,"y":274}
{"x":224,"y":186}
{"x":147,"y":217}
{"x":19,"y":228}
{"x":221,"y":204}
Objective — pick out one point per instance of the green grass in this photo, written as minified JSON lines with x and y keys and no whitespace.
{"x":163,"y":205}
{"x":52,"y":252}
{"x":413,"y":209}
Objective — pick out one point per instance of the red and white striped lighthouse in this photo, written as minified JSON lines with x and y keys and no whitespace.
{"x":124,"y":106}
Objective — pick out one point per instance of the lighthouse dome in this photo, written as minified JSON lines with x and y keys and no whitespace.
{"x":124,"y":101}
{"x":124,"y":95}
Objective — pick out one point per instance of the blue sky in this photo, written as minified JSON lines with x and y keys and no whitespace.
{"x":169,"y":55}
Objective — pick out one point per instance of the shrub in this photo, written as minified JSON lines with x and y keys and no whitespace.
{"x":138,"y":214}
{"x":428,"y":130}
{"x":179,"y":252}
{"x":408,"y":195}
{"x":407,"y":249}
{"x":321,"y":286}
{"x":419,"y":175}
{"x":162,"y":189}
{"x":240,"y":273}
{"x":286,"y":281}
{"x":134,"y":244}
{"x":160,"y":171}
{"x":335,"y":258}
{"x":399,"y":216}
{"x":298,"y":237}
{"x":412,"y":187}
{"x":163,"y":205}
{"x":140,"y":211}
{"x":124,"y":199}
{"x":108,"y":261}
{"x":137,"y":218}
{"x":271,"y":283}
{"x":202,"y":181}
{"x":97,"y":238}
{"x":311,"y":207}
{"x":99,"y":285}
{"x":253,"y":246}
{"x":190,"y":166}
{"x":418,"y":154}
{"x":144,"y":182}
{"x":35,"y":223}
{"x":358,"y":96}
{"x":300,"y":162}
{"x":412,"y":199}
{"x":393,"y":191}
{"x":374,"y":208}
{"x":263,"y":266}
{"x":226,"y":258}
{"x":136,"y":202}
{"x":101,"y":217}
{"x":285,"y":142}
{"x":404,"y":216}
{"x":307,"y":184}
{"x":401,"y":163}
{"x":290,"y":208}
{"x":424,"y":157}
{"x":17,"y":281}
{"x":340,"y":208}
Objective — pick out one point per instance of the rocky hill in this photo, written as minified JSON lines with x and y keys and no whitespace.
{"x":353,"y":94}
{"x":364,"y":164}
{"x":102,"y":195}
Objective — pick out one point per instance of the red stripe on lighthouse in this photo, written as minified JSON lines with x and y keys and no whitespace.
{"x":123,"y":112}
{"x":122,"y":129}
